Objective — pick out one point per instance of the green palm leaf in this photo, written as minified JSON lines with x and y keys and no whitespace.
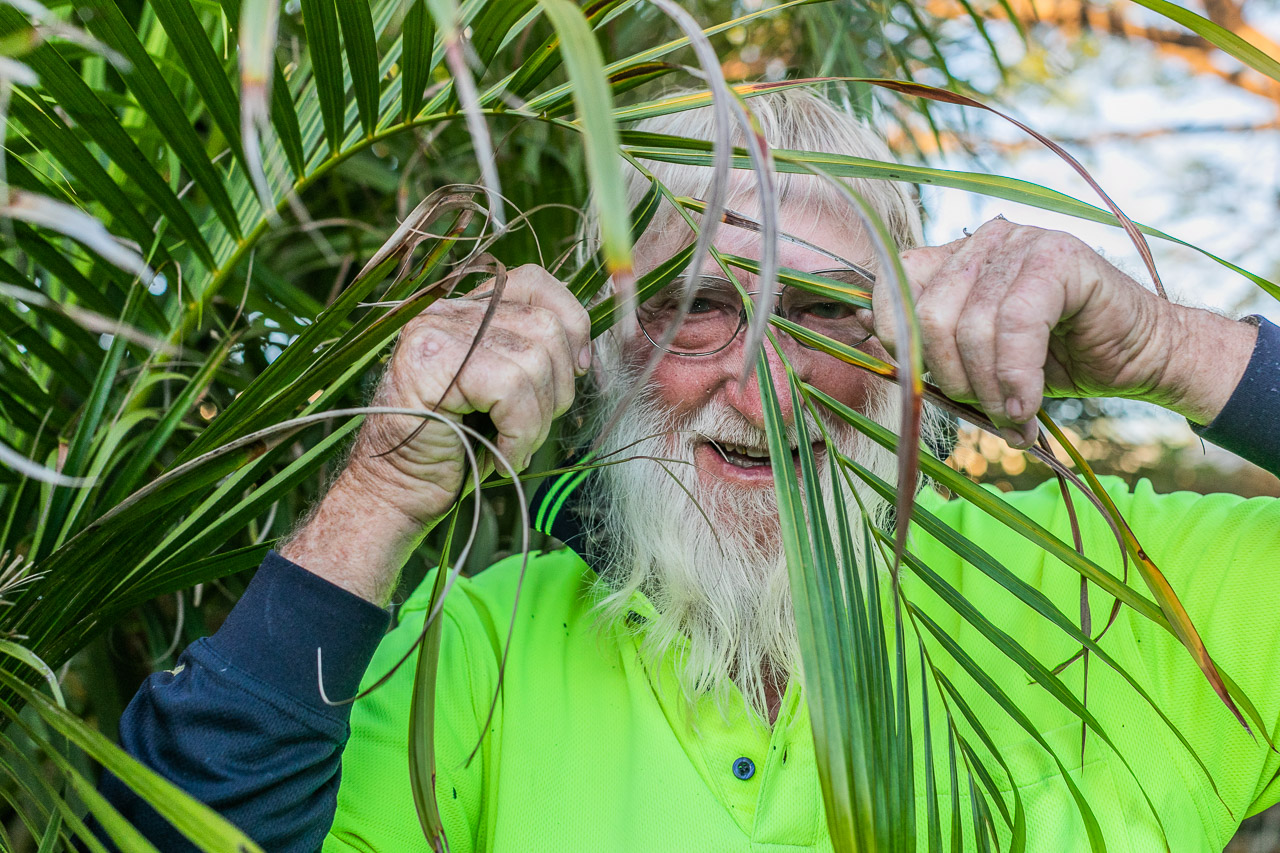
{"x":267,"y":333}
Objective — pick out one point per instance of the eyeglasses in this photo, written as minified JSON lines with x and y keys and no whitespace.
{"x":716,"y":314}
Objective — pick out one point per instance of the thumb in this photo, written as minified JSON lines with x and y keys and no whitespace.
{"x":920,"y":265}
{"x":923,"y":263}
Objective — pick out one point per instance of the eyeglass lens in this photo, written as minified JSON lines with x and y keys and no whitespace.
{"x":716,"y":314}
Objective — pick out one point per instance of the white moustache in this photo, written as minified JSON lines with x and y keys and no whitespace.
{"x":724,"y":425}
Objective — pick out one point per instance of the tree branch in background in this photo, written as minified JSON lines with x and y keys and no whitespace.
{"x":1077,"y":17}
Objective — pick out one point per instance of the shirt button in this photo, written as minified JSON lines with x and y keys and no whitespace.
{"x":744,"y":768}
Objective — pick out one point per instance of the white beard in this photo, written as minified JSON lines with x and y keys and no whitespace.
{"x":716,"y":577}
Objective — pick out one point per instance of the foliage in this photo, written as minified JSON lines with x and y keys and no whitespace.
{"x":171,"y":395}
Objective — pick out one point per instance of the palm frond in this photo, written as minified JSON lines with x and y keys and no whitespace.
{"x":177,"y":363}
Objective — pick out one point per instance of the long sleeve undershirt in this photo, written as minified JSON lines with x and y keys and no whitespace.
{"x":240,"y":722}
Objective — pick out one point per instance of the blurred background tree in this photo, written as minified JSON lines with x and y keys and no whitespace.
{"x":1183,"y":136}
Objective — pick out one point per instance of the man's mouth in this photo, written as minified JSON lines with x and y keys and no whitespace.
{"x":747,"y":456}
{"x":741,"y":455}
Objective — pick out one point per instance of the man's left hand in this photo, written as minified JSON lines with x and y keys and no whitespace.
{"x":1012,"y":314}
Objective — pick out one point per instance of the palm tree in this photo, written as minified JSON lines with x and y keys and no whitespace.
{"x":212,"y":235}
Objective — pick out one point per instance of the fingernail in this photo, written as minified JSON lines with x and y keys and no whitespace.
{"x":1012,"y":437}
{"x":1014,"y":407}
{"x":1030,"y":433}
{"x":584,"y":358}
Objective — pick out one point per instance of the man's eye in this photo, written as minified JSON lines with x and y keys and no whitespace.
{"x":713,"y":302}
{"x":827,"y":310}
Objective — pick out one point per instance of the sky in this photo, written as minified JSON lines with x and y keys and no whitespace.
{"x":1218,"y":190}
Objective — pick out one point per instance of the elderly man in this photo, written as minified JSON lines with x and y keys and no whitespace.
{"x":651,"y":699}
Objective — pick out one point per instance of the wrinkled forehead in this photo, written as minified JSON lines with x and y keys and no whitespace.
{"x":839,"y":233}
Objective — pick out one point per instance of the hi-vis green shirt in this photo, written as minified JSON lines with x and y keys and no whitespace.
{"x":591,"y":751}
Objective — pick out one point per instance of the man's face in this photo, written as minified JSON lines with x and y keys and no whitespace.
{"x":685,"y":385}
{"x":694,"y":527}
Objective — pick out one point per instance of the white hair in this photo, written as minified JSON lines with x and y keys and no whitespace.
{"x":722,"y":599}
{"x":791,"y":119}
{"x":708,"y":557}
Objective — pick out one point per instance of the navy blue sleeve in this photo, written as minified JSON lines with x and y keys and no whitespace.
{"x":1249,"y":425}
{"x":240,"y":723}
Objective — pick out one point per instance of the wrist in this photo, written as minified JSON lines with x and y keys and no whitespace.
{"x":357,"y":539}
{"x":1207,"y":355}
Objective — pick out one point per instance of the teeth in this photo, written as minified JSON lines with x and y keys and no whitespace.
{"x":744,"y":456}
{"x":743,"y":450}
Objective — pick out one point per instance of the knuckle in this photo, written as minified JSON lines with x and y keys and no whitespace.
{"x":952,"y":383}
{"x":1052,"y":248}
{"x":440,"y":311}
{"x":421,"y":327}
{"x":931,"y":316}
{"x":544,"y":323}
{"x":495,"y":382}
{"x":531,"y":271}
{"x":417,"y":326}
{"x":537,"y":367}
{"x":440,"y":316}
{"x":998,"y":228}
{"x":499,"y":340}
{"x":970,"y":337}
{"x":508,"y":373}
{"x":1059,"y":240}
{"x":916,"y":263}
{"x":531,"y":275}
{"x":1021,"y":310}
{"x":1015,"y":375}
{"x":425,"y":343}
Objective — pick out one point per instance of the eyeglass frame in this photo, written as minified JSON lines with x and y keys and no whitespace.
{"x":742,"y":312}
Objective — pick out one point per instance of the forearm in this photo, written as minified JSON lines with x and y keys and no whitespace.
{"x":356,"y":539}
{"x":1207,"y":354}
{"x":1247,"y":423}
{"x":1223,"y":375}
{"x":240,"y":723}
{"x":406,"y":472}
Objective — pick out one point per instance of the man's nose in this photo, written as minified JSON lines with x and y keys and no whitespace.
{"x":745,"y":396}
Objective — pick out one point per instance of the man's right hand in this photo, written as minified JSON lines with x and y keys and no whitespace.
{"x":405,"y":472}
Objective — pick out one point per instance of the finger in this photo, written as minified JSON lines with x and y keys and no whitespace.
{"x":938,"y":310}
{"x":516,"y":402}
{"x":532,"y":285}
{"x":530,"y":353}
{"x":1028,"y":315}
{"x":540,"y":371}
{"x":533,"y":337}
{"x":1030,"y":303}
{"x":975,"y":338}
{"x":449,"y":373}
{"x":564,"y":363}
{"x":540,"y":331}
{"x":546,"y":331}
{"x":957,"y":345}
{"x":431,"y":371}
{"x":919,"y":265}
